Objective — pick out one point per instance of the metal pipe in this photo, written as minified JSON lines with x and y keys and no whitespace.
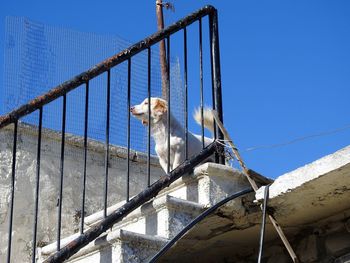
{"x":146,"y":195}
{"x":13,"y":177}
{"x":108,"y":113}
{"x":216,"y":73}
{"x":36,"y":205}
{"x":201,"y":79}
{"x":169,"y":106}
{"x":86,"y":120}
{"x":212,"y":75}
{"x":162,"y":52}
{"x":149,"y":120}
{"x":61,"y":172}
{"x":186,"y":93}
{"x":128,"y":133}
{"x":262,"y":231}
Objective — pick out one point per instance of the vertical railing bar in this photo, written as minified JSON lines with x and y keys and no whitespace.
{"x":14,"y":150}
{"x":128,"y":133}
{"x":216,"y":75}
{"x":186,"y":93}
{"x":108,"y":102}
{"x":217,"y":70}
{"x":36,"y":205}
{"x":201,"y":79}
{"x":61,"y":172}
{"x":212,"y":70}
{"x":212,"y":79}
{"x":169,"y":106}
{"x":86,"y":121}
{"x":149,"y":120}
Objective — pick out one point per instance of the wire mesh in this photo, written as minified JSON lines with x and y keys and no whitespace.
{"x":39,"y":57}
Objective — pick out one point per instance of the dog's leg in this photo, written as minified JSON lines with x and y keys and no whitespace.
{"x":163,"y":164}
{"x":178,"y":159}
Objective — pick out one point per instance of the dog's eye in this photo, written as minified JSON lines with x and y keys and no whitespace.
{"x":146,"y":102}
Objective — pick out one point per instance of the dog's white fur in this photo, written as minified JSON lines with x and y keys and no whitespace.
{"x":159,"y":131}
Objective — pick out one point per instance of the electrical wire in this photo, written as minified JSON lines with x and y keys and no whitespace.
{"x":277,"y":145}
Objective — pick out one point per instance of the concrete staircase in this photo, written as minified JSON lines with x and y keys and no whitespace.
{"x":143,"y":232}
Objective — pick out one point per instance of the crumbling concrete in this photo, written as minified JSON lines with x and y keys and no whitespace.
{"x":311,"y":204}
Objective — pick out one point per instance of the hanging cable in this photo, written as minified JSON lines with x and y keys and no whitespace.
{"x":263,"y":224}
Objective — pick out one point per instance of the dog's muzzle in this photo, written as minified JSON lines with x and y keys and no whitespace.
{"x":133,"y":111}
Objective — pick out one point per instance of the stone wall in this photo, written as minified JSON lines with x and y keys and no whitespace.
{"x":25,"y":182}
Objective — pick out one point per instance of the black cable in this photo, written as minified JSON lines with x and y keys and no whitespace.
{"x":262,"y":231}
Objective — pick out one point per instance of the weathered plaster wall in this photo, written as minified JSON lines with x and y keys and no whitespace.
{"x":322,"y":242}
{"x":25,"y":182}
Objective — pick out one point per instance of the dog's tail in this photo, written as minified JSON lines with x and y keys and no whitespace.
{"x":208,"y":119}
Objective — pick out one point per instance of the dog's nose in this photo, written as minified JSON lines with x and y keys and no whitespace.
{"x":132,"y":108}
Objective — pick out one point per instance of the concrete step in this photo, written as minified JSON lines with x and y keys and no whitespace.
{"x":208,"y":184}
{"x":152,"y":225}
{"x":164,"y":216}
{"x":116,"y":246}
{"x":175,"y":206}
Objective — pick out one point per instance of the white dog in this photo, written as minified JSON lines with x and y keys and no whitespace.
{"x":159,"y":132}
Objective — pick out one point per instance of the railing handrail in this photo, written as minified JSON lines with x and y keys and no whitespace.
{"x":102,"y":67}
{"x":91,"y":234}
{"x":83,"y":79}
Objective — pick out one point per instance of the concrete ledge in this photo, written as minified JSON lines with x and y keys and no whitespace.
{"x":115,"y":151}
{"x":292,"y":180}
{"x":312,"y":192}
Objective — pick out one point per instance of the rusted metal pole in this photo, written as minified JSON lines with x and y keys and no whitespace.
{"x":162,"y":52}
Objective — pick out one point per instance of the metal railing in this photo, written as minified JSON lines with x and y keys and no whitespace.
{"x":61,"y":91}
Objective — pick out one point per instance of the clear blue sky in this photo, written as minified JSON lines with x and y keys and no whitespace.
{"x":285,"y":66}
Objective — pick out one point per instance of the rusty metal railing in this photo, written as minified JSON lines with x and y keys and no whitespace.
{"x":39,"y":104}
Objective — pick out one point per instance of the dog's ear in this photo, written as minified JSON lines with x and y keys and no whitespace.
{"x":161,"y":106}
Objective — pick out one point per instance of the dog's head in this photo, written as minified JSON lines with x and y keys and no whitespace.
{"x":158,"y":107}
